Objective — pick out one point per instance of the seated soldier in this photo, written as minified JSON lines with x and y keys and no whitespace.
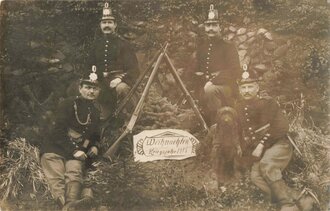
{"x":265,"y":143}
{"x":73,"y":140}
{"x":214,"y":69}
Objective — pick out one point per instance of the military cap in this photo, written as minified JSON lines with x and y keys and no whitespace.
{"x":248,"y":76}
{"x":212,"y":16}
{"x":107,"y":12}
{"x":93,"y":77}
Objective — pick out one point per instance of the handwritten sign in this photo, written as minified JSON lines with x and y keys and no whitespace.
{"x":164,"y":144}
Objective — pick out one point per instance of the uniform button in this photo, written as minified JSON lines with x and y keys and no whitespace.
{"x":207,"y":67}
{"x":105,"y":60}
{"x":107,"y":41}
{"x":253,"y":138}
{"x":106,"y":50}
{"x":267,"y":134}
{"x":210,"y":44}
{"x":208,"y":58}
{"x":106,"y":45}
{"x":245,"y":108}
{"x":209,"y":49}
{"x":106,"y":64}
{"x":246,"y":138}
{"x":250,"y":128}
{"x":105,"y":55}
{"x":265,"y":138}
{"x":247,"y":120}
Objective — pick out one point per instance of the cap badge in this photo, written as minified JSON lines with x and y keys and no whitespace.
{"x":93,"y":75}
{"x":245,"y":74}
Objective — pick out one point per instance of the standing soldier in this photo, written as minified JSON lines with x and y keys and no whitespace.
{"x":73,"y":140}
{"x":216,"y":68}
{"x":116,"y":58}
{"x":264,"y":132}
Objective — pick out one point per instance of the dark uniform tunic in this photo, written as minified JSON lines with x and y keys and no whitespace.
{"x":219,"y":62}
{"x":110,"y":53}
{"x":59,"y":141}
{"x":258,"y":113}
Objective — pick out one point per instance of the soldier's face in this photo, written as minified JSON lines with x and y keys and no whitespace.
{"x":89,"y":92}
{"x":108,"y":26}
{"x":249,"y":91}
{"x":212,"y":29}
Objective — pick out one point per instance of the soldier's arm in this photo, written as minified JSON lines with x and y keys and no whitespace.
{"x":279,"y":124}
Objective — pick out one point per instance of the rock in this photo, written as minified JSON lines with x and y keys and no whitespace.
{"x":250,"y":34}
{"x":53,"y":70}
{"x":270,"y":46}
{"x":242,"y":47}
{"x":268,"y":35}
{"x":281,"y":51}
{"x":230,"y":36}
{"x":261,"y":31}
{"x":67,"y":67}
{"x":267,"y":53}
{"x":261,"y":67}
{"x":242,"y":54}
{"x":58,"y":55}
{"x":250,"y":40}
{"x":246,"y":20}
{"x":232,"y":29}
{"x":241,"y":31}
{"x":242,"y":38}
{"x":34,"y":44}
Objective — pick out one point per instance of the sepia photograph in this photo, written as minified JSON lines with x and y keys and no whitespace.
{"x":164,"y":105}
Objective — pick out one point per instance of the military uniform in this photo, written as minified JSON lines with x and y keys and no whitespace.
{"x":114,"y":55}
{"x":76,"y":128}
{"x":216,"y":61}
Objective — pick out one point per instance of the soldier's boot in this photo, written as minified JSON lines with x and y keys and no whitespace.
{"x":72,"y":194}
{"x":86,"y":201}
{"x":290,"y":201}
{"x":282,"y":196}
{"x":306,"y":200}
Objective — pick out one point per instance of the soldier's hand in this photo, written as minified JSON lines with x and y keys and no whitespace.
{"x":239,"y":151}
{"x":258,"y":150}
{"x":80,"y":155}
{"x":92,"y":152}
{"x":114,"y":82}
{"x":209,"y":83}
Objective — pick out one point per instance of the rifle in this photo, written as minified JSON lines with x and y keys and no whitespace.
{"x":113,"y":149}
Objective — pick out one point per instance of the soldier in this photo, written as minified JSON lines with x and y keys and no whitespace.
{"x":73,"y":140}
{"x":264,"y":132}
{"x":216,"y":68}
{"x":116,"y":58}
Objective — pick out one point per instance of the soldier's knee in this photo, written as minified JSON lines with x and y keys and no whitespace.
{"x":210,"y":90}
{"x":122,"y":89}
{"x":270,"y":172}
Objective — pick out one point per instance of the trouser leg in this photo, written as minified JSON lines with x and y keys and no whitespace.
{"x":54,"y":170}
{"x":122,"y":90}
{"x":216,"y":96}
{"x":73,"y":181}
{"x":274,"y":161}
{"x":258,"y":180}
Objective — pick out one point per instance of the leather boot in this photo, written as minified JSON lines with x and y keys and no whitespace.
{"x":72,"y":194}
{"x":84,"y":203}
{"x":306,"y":200}
{"x":281,"y":195}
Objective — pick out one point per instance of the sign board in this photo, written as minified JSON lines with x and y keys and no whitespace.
{"x":173,"y":144}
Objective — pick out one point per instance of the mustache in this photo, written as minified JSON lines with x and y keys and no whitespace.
{"x":106,"y":28}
